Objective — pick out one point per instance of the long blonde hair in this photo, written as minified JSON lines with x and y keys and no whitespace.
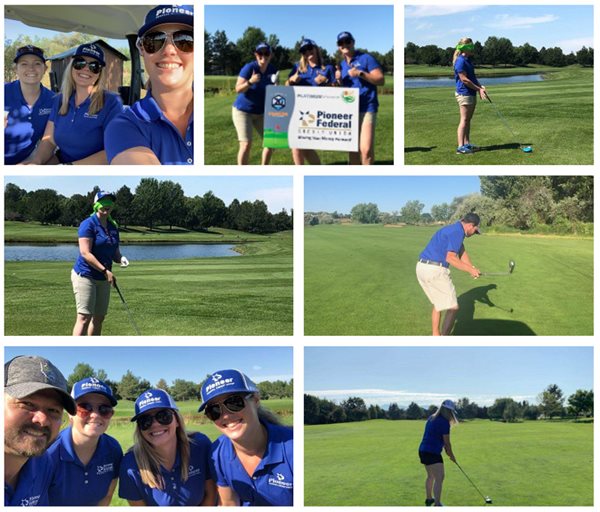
{"x":446,"y":413}
{"x":68,"y":87}
{"x":303,"y":63}
{"x":147,"y":458}
{"x":464,"y":40}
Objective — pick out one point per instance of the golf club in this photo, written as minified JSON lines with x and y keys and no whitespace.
{"x":487,"y":499}
{"x":135,"y":327}
{"x":526,"y":149}
{"x":511,"y":267}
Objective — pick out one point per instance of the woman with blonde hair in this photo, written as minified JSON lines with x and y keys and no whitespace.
{"x":80,"y":113}
{"x":436,"y":438}
{"x":166,"y":466}
{"x":310,"y":71}
{"x":467,"y":88}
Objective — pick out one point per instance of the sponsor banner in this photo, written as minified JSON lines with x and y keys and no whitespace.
{"x":311,"y":118}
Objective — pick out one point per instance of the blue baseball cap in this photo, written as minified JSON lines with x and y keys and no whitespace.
{"x":102,"y":194}
{"x":305,"y":43}
{"x":92,"y":385}
{"x":153,"y":399}
{"x":223,"y":382}
{"x":90,"y":50}
{"x":262,"y":46}
{"x":29,"y":50}
{"x":183,"y":14}
{"x":344,"y":35}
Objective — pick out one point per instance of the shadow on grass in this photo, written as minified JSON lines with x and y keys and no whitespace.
{"x":419,"y":148}
{"x":467,"y":325}
{"x":500,"y":147}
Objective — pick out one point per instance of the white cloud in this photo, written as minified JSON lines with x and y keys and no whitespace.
{"x":574,"y":45}
{"x":424,"y":26}
{"x":276,"y":198}
{"x":507,"y":22}
{"x":256,"y":367}
{"x":425,"y":11}
{"x":271,"y":378}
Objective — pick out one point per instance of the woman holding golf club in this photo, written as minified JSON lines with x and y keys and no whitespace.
{"x":86,"y":459}
{"x":253,"y":461}
{"x":159,"y":128}
{"x":248,"y":109}
{"x":92,"y":274}
{"x":467,"y":88}
{"x":310,"y":71}
{"x":166,"y":466}
{"x":436,"y":438}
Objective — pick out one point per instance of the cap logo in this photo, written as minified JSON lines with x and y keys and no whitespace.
{"x":147,"y":394}
{"x":173,"y":10}
{"x":218,"y":384}
{"x":48,"y":372}
{"x":216,"y":377}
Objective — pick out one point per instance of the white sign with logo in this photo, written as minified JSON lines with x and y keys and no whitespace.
{"x":311,"y":118}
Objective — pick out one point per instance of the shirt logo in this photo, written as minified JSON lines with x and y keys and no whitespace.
{"x":279,"y":481}
{"x":44,"y":112}
{"x":32,"y":501}
{"x":106,"y":468}
{"x":90,"y":116}
{"x":192,"y":471}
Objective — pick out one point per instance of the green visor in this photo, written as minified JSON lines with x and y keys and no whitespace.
{"x":469,"y":47}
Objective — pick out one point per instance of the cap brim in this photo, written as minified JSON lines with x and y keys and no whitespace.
{"x":25,"y":389}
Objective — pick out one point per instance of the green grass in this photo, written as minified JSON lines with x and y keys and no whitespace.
{"x":417,"y":70}
{"x":249,"y":295}
{"x":360,"y":280}
{"x":375,"y":463}
{"x":555,"y":117}
{"x":220,"y":138}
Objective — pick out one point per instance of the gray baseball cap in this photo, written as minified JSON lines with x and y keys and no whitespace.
{"x":25,"y":375}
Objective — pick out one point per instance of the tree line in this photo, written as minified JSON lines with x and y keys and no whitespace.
{"x":224,"y":57}
{"x":558,"y":204}
{"x":130,"y":386}
{"x":499,"y":51}
{"x":551,"y":405}
{"x":153,"y":203}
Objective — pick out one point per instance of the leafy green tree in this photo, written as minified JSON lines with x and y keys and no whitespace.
{"x":124,"y":207}
{"x":355,"y":409}
{"x":411,"y":212}
{"x":44,"y":205}
{"x":211,"y":211}
{"x":441,"y":212}
{"x":411,"y":53}
{"x":551,"y":401}
{"x":162,"y":384}
{"x":429,"y":55}
{"x":249,"y":41}
{"x":500,"y":406}
{"x":581,"y":403}
{"x":394,"y":412}
{"x":172,"y":201}
{"x":182,"y":389}
{"x":414,"y":412}
{"x":80,"y":372}
{"x":365,"y":213}
{"x":131,"y":386}
{"x":74,"y":210}
{"x":585,"y":57}
{"x":147,"y":202}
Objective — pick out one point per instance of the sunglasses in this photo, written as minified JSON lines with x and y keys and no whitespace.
{"x":345,"y":42}
{"x":164,"y":417}
{"x":84,"y":410}
{"x":153,"y":42}
{"x":80,"y":63}
{"x":263,"y":54}
{"x":307,"y":48}
{"x":234,"y":403}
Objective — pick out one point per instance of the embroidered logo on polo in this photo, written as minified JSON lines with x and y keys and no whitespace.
{"x":90,"y":116}
{"x":32,"y":501}
{"x":44,"y":112}
{"x":105,"y":468}
{"x":192,"y":471}
{"x":279,"y":481}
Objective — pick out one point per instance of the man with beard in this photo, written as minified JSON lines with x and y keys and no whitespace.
{"x":35,"y":394}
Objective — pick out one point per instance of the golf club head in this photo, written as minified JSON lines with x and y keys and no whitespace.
{"x":511,"y":266}
{"x":488,"y":500}
{"x":527,"y":149}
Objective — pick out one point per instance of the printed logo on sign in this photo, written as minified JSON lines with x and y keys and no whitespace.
{"x":306,"y":118}
{"x":106,"y":468}
{"x":348,"y":96}
{"x":278,"y":102}
{"x":279,"y":481}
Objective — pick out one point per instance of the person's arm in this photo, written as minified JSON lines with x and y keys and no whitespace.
{"x":139,"y":155}
{"x":105,"y":502}
{"x":228,"y":497}
{"x":243,"y":84}
{"x":210,"y":494}
{"x":374,"y":76}
{"x":98,"y":158}
{"x":461,"y":263}
{"x":45,"y":150}
{"x":448,"y":447}
{"x":136,"y":503}
{"x":85,"y":248}
{"x":475,"y":86}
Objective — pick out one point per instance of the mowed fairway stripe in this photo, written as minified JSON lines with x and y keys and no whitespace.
{"x":375,"y":463}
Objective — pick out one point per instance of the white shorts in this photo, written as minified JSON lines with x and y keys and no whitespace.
{"x":437,"y":285}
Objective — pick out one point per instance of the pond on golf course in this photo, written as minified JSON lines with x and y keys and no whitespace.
{"x":418,"y":82}
{"x":70,"y":252}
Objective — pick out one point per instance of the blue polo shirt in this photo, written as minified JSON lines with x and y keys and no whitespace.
{"x":308,"y":77}
{"x":76,"y":484}
{"x":176,"y":492}
{"x":464,"y":65}
{"x":79,"y":134}
{"x":252,"y":101}
{"x":433,"y":438}
{"x":144,"y":125}
{"x":368,"y":92}
{"x":34,"y":480}
{"x":272,"y":483}
{"x":25,"y":125}
{"x":104,"y":247}
{"x":448,"y":239}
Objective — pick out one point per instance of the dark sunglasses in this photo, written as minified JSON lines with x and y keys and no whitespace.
{"x":234,"y":403}
{"x":84,"y":410}
{"x":164,"y":417}
{"x":307,"y":48}
{"x":80,"y":63}
{"x":153,"y":42}
{"x":345,"y":42}
{"x":264,"y":53}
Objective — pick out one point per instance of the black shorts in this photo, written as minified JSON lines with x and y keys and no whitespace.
{"x":430,"y":458}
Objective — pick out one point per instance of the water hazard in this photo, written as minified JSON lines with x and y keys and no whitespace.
{"x":418,"y":82}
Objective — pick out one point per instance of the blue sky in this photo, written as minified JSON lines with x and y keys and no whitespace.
{"x":389,"y":193}
{"x":153,"y":363}
{"x":275,"y":191}
{"x":371,"y":25}
{"x":567,"y":26}
{"x":428,"y":375}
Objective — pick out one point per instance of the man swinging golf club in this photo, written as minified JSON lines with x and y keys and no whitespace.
{"x":433,"y":269}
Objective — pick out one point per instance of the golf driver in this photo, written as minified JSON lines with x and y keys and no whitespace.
{"x":487,"y":499}
{"x":511,"y":267}
{"x":133,"y":324}
{"x":526,"y":149}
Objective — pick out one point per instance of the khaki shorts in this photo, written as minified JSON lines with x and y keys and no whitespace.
{"x":367,"y":117}
{"x":465,"y":100}
{"x":437,"y":285}
{"x":244,"y":123}
{"x":91,"y":296}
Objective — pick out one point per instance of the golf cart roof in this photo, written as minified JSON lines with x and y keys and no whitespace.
{"x":111,"y":21}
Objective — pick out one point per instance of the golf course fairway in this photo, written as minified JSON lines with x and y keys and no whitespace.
{"x":375,"y":463}
{"x":559,"y":131}
{"x":360,"y":280}
{"x":248,"y":295}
